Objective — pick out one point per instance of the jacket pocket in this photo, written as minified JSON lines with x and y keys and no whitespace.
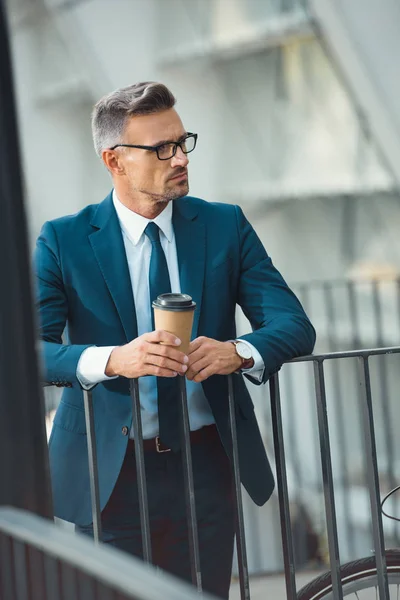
{"x":70,"y":418}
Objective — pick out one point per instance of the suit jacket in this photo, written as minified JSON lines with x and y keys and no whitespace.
{"x":83,"y":284}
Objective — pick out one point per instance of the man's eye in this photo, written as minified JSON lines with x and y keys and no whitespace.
{"x":166,"y":150}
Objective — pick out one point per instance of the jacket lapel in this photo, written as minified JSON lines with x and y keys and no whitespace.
{"x":191,"y":248}
{"x":109,"y":250}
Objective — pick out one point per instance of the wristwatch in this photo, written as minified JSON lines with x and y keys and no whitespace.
{"x":245,"y":354}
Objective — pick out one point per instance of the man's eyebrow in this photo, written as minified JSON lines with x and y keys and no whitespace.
{"x":161,"y":142}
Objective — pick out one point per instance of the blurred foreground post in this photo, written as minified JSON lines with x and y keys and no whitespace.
{"x":24,"y":472}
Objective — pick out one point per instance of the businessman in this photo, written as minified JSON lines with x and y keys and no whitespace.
{"x":98,"y":271}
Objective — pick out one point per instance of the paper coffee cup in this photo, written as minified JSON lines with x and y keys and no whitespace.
{"x":174,"y":313}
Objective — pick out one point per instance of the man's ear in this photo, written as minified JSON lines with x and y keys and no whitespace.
{"x":112,"y":161}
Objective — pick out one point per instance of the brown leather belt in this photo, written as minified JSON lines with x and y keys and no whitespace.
{"x":204,"y":434}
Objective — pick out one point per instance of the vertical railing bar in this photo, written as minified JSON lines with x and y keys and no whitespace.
{"x":384,"y":393}
{"x":189,"y":488}
{"x":339,"y":414}
{"x":103,"y":592}
{"x":93,"y":465}
{"x":294,"y":457}
{"x":52,"y":578}
{"x":327,"y":476}
{"x":35,"y":573}
{"x":240,"y":534}
{"x":41,"y":555}
{"x":356,"y":338}
{"x":140,"y":470}
{"x":373,"y":477}
{"x":283,"y":493}
{"x":7,"y":579}
{"x":398,"y":303}
{"x":68,"y":581}
{"x":86,"y":586}
{"x":397,"y":499}
{"x":20,"y":570}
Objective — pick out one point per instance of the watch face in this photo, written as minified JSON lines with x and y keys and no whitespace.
{"x":243,"y":350}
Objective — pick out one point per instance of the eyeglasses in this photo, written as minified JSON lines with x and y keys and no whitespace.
{"x":168,"y":149}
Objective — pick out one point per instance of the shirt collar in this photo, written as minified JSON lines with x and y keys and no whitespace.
{"x":134,"y":224}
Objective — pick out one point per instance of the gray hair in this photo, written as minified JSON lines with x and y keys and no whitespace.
{"x":111,"y":113}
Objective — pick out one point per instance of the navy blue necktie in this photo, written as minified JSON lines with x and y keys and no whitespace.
{"x":159,"y":281}
{"x":167,"y":388}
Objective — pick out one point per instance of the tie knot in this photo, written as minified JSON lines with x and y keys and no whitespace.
{"x":153,"y":232}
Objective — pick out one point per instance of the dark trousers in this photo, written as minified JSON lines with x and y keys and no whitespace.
{"x":167,"y":510}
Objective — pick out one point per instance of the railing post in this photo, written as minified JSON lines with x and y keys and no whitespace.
{"x":283,"y":493}
{"x":339,"y":411}
{"x":372,"y":474}
{"x":384,"y":394}
{"x":93,"y":465}
{"x":240,"y":534}
{"x":141,"y":471}
{"x":327,"y":476}
{"x":189,"y":488}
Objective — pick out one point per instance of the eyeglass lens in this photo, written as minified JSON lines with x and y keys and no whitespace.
{"x":168,"y":150}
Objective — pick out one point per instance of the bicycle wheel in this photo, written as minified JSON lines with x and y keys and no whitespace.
{"x":359,"y":580}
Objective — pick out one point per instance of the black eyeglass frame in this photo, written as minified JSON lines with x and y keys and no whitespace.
{"x":156,"y":148}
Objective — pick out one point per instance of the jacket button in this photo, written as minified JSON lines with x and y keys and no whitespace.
{"x":125,"y":430}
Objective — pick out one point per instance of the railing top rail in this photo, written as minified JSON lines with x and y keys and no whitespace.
{"x":344,"y":281}
{"x":127,"y":574}
{"x":365,"y":353}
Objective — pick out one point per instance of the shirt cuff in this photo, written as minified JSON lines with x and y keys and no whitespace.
{"x":256,"y":372}
{"x":92,"y":364}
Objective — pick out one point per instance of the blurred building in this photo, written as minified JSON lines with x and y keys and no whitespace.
{"x":280,"y":133}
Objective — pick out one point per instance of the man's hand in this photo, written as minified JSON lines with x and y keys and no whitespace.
{"x":154,"y":353}
{"x":209,"y":357}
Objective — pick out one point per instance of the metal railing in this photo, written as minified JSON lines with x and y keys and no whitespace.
{"x":366,"y":409}
{"x":365,"y":397}
{"x":188,"y":479}
{"x":348,"y":315}
{"x":41,"y":561}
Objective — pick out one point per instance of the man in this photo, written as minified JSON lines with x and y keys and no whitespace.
{"x":98,"y":272}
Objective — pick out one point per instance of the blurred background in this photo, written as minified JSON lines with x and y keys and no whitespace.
{"x":296,"y":107}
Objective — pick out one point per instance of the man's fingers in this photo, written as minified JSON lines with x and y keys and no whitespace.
{"x":196,"y":344}
{"x":168,"y":352}
{"x":204,"y":374}
{"x":164,"y":362}
{"x":194,"y":357}
{"x":160,"y":372}
{"x":197,"y":366}
{"x":165,"y":337}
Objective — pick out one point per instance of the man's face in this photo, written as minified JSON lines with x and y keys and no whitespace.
{"x":144,"y":173}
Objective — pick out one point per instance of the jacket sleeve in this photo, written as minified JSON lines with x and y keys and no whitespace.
{"x":281,"y":328}
{"x":59,"y":361}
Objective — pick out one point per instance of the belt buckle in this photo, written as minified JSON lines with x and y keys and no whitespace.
{"x":158,"y":446}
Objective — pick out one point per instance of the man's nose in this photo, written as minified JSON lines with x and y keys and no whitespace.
{"x":180,"y":158}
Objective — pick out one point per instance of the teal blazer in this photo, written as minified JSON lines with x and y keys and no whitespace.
{"x":84,"y":298}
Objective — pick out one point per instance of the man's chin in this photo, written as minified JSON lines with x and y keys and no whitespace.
{"x":179,"y":190}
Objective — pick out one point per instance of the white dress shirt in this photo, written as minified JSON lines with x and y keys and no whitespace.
{"x":93,"y":361}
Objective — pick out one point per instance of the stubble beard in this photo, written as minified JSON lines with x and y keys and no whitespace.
{"x":169,"y":194}
{"x":178,"y":192}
